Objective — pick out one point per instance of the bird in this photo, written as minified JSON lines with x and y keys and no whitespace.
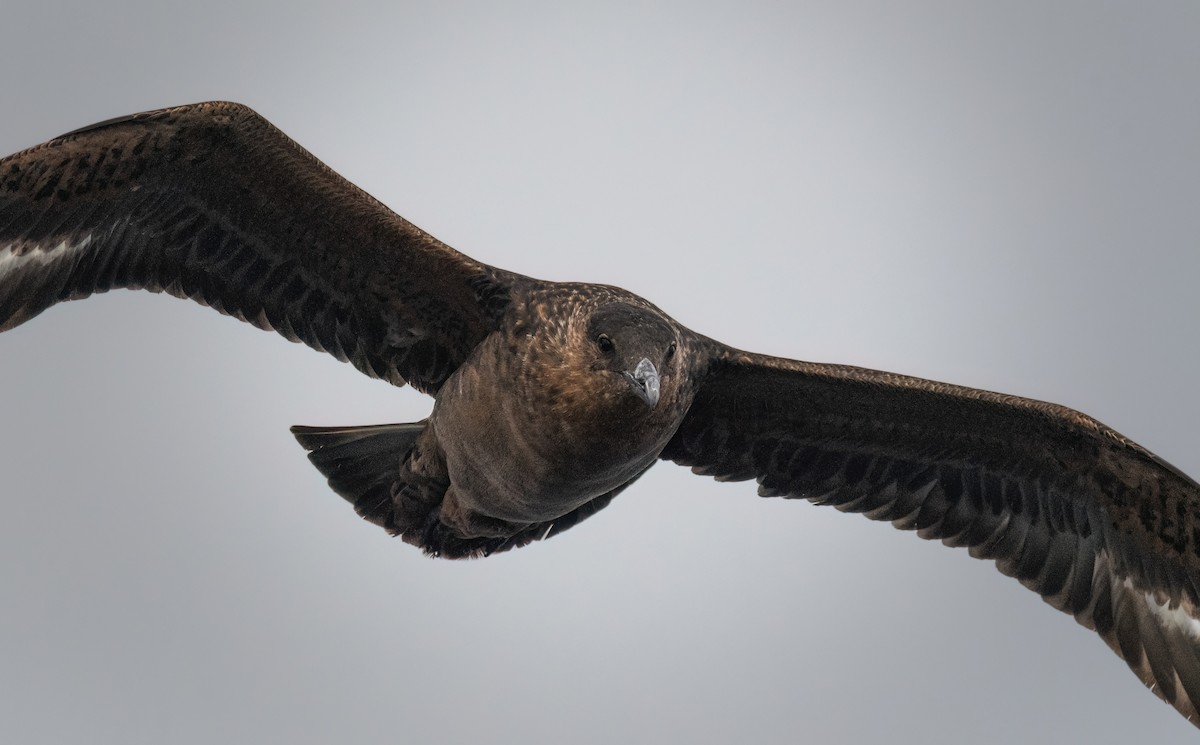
{"x":551,"y":398}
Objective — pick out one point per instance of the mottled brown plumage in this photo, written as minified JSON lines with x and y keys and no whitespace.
{"x":551,"y":398}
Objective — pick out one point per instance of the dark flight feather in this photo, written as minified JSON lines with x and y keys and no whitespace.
{"x":1098,"y":526}
{"x":213,"y":203}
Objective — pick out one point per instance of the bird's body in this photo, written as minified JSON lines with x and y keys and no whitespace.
{"x":551,"y":398}
{"x":533,"y":426}
{"x":491,"y":416}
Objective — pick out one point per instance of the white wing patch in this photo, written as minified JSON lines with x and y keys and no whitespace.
{"x":1181,"y":616}
{"x":11,"y":259}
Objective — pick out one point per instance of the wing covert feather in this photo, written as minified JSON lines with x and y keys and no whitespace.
{"x":1099,"y":526}
{"x":213,"y":203}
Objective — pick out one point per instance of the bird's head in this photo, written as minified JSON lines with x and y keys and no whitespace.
{"x":634,"y":348}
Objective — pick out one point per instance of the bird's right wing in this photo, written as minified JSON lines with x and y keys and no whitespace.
{"x":211,"y":202}
{"x":1098,"y":526}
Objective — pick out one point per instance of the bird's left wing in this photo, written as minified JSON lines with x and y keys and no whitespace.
{"x":211,"y":202}
{"x":1097,"y":525}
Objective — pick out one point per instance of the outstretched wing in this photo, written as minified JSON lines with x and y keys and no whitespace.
{"x":212,"y":203}
{"x":1097,"y":525}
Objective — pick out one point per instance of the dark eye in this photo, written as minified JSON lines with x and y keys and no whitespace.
{"x":605,"y":344}
{"x":671,"y":350}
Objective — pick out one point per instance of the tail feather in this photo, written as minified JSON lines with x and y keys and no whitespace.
{"x":366,"y":464}
{"x":361,"y":463}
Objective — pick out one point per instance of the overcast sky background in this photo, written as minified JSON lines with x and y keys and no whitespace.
{"x":1001,"y":195}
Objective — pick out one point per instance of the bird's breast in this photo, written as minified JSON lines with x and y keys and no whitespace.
{"x":525,"y":442}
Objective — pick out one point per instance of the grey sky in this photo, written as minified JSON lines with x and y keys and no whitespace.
{"x":1002,"y":195}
